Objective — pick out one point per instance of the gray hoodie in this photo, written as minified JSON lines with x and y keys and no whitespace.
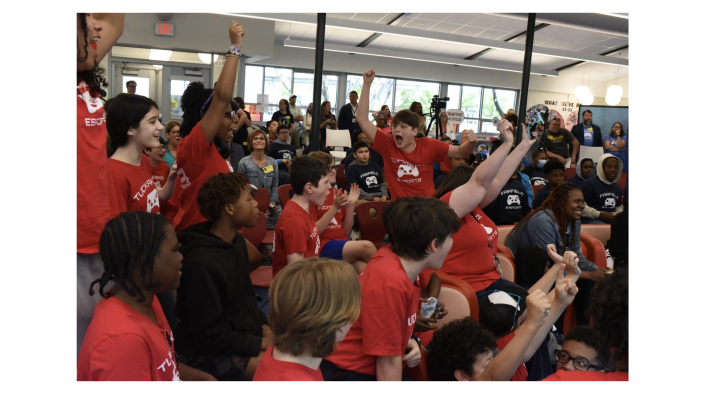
{"x":590,"y":212}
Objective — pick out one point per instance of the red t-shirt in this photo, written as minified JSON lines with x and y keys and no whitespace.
{"x":521,"y":372}
{"x":160,"y":173}
{"x":410,"y":174}
{"x":335,"y":230}
{"x":123,"y":345}
{"x":574,"y":375}
{"x":270,"y":369}
{"x":295,"y":233}
{"x":471,"y":259}
{"x":93,"y":191}
{"x":197,"y":161}
{"x":387,"y":315}
{"x":134,"y":187}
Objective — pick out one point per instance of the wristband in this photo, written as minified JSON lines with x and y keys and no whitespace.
{"x":233,"y":51}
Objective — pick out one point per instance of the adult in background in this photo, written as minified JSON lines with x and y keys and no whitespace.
{"x":586,"y":133}
{"x":298,"y":116}
{"x":283,"y":115}
{"x":616,"y":142}
{"x":326,"y":118}
{"x":308,"y":125}
{"x":416,"y":107}
{"x":557,"y":141}
{"x":131,"y":87}
{"x":96,"y":34}
{"x":240,"y":134}
{"x":348,"y":113}
{"x":173,"y":137}
{"x":447,"y":129}
{"x":262,"y":172}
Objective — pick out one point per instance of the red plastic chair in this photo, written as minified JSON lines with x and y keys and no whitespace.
{"x":504,"y":251}
{"x":598,"y":231}
{"x":263,"y":197}
{"x":256,"y":234}
{"x":594,"y":248}
{"x":340,"y":178}
{"x":507,"y":266}
{"x":503,"y":232}
{"x":535,"y":189}
{"x":262,"y":276}
{"x":569,"y":173}
{"x":459,"y":299}
{"x":372,"y":228}
{"x":622,"y":180}
{"x":285,"y":193}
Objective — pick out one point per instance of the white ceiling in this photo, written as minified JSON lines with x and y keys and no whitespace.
{"x":483,"y":26}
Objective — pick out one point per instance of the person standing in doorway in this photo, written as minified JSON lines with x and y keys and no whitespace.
{"x":131,"y":87}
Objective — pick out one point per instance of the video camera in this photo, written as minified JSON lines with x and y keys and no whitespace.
{"x":438,"y":103}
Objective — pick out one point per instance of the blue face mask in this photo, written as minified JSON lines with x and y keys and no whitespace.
{"x":541,"y":163}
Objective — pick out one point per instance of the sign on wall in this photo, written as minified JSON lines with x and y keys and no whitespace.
{"x":163,"y":29}
{"x":455,"y":116}
{"x":566,"y":111}
{"x":261,"y":103}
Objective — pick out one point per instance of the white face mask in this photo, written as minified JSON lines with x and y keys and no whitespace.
{"x":541,"y":163}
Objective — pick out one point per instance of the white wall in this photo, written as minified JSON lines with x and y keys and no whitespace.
{"x":199,"y":33}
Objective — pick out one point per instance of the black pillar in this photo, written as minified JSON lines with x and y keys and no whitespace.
{"x":317,"y":83}
{"x":526,"y":73}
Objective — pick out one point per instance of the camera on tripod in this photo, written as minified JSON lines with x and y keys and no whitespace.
{"x":438,"y":103}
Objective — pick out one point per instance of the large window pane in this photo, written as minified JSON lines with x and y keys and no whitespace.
{"x":472,"y":124}
{"x":505,"y":99}
{"x":329,"y":90}
{"x":303,"y":89}
{"x":142,"y":84}
{"x":254,"y":84}
{"x":453,"y":92}
{"x":177,"y":90}
{"x":471,"y":101}
{"x":380,"y":91}
{"x":489,"y":127}
{"x":409,"y":91}
{"x":277,"y":84}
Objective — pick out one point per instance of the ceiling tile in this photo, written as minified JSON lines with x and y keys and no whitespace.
{"x":433,"y":17}
{"x":369,"y":17}
{"x":420,"y":23}
{"x":340,"y":15}
{"x":593,"y":38}
{"x":492,"y":34}
{"x":560,"y":32}
{"x":469,"y":31}
{"x":461,"y":18}
{"x":592,"y":50}
{"x":485,"y":21}
{"x":404,"y":21}
{"x":614,"y":42}
{"x":561,"y":45}
{"x":445,"y":27}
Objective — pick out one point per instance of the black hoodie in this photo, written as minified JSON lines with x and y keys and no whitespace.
{"x":216,"y":304}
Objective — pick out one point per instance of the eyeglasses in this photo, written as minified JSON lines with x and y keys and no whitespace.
{"x":230,"y":114}
{"x":334,"y":168}
{"x":162,"y":148}
{"x":580,"y":364}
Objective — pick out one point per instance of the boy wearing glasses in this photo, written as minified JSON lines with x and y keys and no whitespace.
{"x":159,"y":167}
{"x":283,"y":152}
{"x":583,"y":350}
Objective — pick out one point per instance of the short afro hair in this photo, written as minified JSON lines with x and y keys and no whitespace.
{"x":456,"y":346}
{"x":219,"y":190}
{"x":609,"y":308}
{"x":553,"y":165}
{"x":588,"y":336}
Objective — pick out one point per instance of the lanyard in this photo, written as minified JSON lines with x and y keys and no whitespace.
{"x":497,"y":264}
{"x":354,"y":109}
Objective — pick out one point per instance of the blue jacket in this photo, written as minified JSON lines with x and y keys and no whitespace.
{"x":540,"y":231}
{"x":527,"y":185}
{"x":577,"y":132}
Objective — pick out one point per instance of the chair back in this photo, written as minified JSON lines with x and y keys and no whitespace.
{"x":262,"y":276}
{"x":601,"y":232}
{"x":419,"y":373}
{"x":338,"y":138}
{"x":372,"y":228}
{"x":256,"y":234}
{"x":595,"y":249}
{"x":503,"y":232}
{"x":622,"y":180}
{"x":508,"y":269}
{"x":263,"y":197}
{"x":459,"y":299}
{"x":569,"y":173}
{"x":285,"y":193}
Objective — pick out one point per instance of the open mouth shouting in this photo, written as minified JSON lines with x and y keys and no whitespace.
{"x":93,"y":42}
{"x":398,"y":139}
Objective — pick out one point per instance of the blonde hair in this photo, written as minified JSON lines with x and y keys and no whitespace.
{"x":324,"y":157}
{"x":310,"y":300}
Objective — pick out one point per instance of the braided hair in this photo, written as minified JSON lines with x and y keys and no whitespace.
{"x":555,"y":202}
{"x":130,"y":240}
{"x":195,"y":102}
{"x":92,"y":78}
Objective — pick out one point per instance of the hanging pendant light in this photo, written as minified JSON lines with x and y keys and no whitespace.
{"x":614,"y":92}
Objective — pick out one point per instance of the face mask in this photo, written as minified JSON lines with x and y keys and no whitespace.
{"x":541,"y":163}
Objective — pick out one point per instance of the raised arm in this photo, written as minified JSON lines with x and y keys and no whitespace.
{"x":363,"y":111}
{"x":508,"y":167}
{"x":213,"y":117}
{"x":468,"y":196}
{"x":339,"y":200}
{"x":466,"y":148}
{"x":112,"y":28}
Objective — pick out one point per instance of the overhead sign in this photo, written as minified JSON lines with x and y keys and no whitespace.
{"x":163,"y":29}
{"x":455,"y":116}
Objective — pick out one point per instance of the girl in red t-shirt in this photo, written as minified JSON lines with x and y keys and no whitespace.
{"x":133,"y":126}
{"x":129,"y":338}
{"x":206,"y":134}
{"x":473,"y":256}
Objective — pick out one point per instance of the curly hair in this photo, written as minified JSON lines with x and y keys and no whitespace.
{"x":93,"y":78}
{"x":609,"y":308}
{"x":555,"y":202}
{"x":130,"y":240}
{"x":219,"y":190}
{"x":456,"y":346}
{"x":310,"y":300}
{"x":195,"y":101}
{"x":588,"y":336}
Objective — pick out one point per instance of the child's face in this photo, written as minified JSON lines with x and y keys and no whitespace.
{"x":362,"y":136}
{"x":320,"y":192}
{"x":610,"y":168}
{"x":586,"y":169}
{"x":149,"y":131}
{"x":157,"y":154}
{"x":332,"y":174}
{"x":538,"y":157}
{"x":167,"y":263}
{"x":578,"y":350}
{"x":441,"y":253}
{"x":362,"y":156}
{"x":555,"y":178}
{"x":283,"y":135}
{"x":404,"y":136}
{"x":456,"y":162}
{"x":245,"y":209}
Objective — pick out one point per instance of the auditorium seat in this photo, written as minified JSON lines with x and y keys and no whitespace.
{"x":503,"y":232}
{"x":595,"y":249}
{"x":285,"y":193}
{"x":508,"y":269}
{"x":340,"y":178}
{"x":535,"y":189}
{"x":503,"y":250}
{"x":371,"y":227}
{"x":459,"y":299}
{"x":598,"y":231}
{"x":263,"y":197}
{"x":623,"y":180}
{"x":569,"y":173}
{"x":262,"y":276}
{"x":256,"y":234}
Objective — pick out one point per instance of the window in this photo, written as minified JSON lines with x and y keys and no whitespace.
{"x":277,"y":84}
{"x":496,"y":102}
{"x":303,"y":89}
{"x":410,"y":91}
{"x":177,"y":90}
{"x":453,"y":92}
{"x":142,"y":84}
{"x":254,"y":87}
{"x":380,"y":91}
{"x":470,"y":104}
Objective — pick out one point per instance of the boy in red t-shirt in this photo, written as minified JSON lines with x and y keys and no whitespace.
{"x":421,"y":236}
{"x":408,"y":161}
{"x":297,"y":234}
{"x":159,"y":168}
{"x":313,"y":304}
{"x":334,"y":239}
